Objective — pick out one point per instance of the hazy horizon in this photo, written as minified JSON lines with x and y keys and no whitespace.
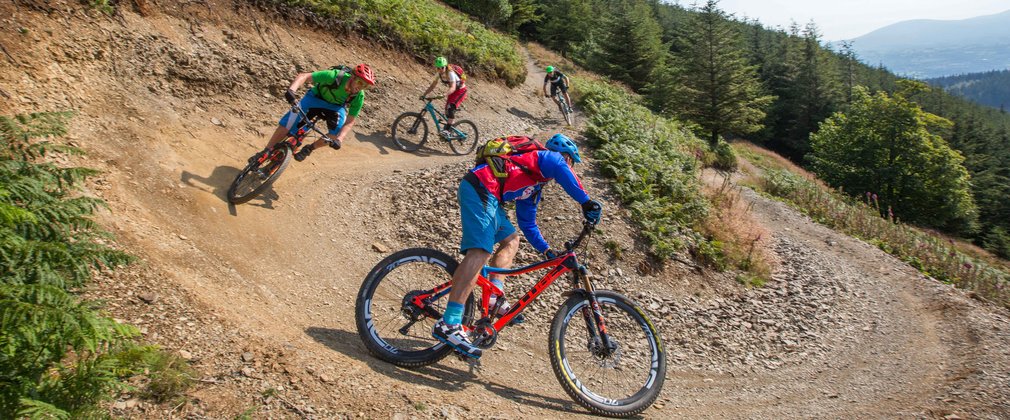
{"x":841,"y":20}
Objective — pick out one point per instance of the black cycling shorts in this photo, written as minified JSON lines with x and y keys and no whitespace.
{"x":555,"y":87}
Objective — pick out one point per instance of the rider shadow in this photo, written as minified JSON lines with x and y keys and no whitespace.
{"x":530,"y":117}
{"x":437,"y":375}
{"x":220,"y":180}
{"x":379,"y":139}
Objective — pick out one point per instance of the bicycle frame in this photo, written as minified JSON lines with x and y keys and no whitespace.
{"x":438,"y":118}
{"x":305,"y":126}
{"x":560,"y":265}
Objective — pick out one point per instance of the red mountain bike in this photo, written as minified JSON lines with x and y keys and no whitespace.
{"x":604,"y":350}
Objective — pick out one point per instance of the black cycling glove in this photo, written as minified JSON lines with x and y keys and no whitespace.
{"x":550,"y":254}
{"x":592,"y":210}
{"x":290,"y":96}
{"x":334,"y":144}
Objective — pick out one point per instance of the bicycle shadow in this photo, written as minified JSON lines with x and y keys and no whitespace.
{"x":536,"y":120}
{"x":218,"y":182}
{"x":384,"y":142}
{"x":438,"y":376}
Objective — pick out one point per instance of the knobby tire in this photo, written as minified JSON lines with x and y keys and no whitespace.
{"x":401,"y":127}
{"x":624,"y":321}
{"x":275,"y":166}
{"x":465,"y":146}
{"x":373,"y":312}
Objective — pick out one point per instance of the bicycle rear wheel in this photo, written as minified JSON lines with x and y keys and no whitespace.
{"x":392,"y":328}
{"x":257,"y":177}
{"x":410,"y":131}
{"x":464,"y":141}
{"x":621,"y":382}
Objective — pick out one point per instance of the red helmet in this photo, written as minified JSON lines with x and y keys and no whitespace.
{"x":365,"y":72}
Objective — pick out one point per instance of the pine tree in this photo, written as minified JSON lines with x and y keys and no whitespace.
{"x":814,"y":90}
{"x":722,"y":92}
{"x":634,"y":45}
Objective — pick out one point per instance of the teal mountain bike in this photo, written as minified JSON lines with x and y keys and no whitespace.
{"x":410,"y":130}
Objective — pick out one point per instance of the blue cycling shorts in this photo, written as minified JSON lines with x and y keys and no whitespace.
{"x":308,"y":103}
{"x":484,"y":221}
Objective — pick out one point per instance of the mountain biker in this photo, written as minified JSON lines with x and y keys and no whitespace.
{"x":450,"y":75}
{"x":484,"y":222}
{"x":557,"y":80}
{"x":338,"y":100}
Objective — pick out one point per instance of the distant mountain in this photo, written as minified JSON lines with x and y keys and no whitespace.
{"x":933,"y":48}
{"x":990,"y":88}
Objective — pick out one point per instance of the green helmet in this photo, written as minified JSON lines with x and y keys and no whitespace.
{"x":441,"y":62}
{"x":550,"y":69}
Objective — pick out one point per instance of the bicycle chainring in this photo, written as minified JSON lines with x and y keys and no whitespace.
{"x":483,"y":334}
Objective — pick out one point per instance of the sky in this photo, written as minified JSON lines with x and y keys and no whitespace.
{"x":847,"y":19}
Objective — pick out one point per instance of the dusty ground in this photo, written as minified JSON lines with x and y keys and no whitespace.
{"x":260,"y":296}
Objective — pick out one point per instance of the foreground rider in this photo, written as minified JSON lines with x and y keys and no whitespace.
{"x":481,"y":194}
{"x":557,"y":80}
{"x":452,"y":76}
{"x":338,"y":94}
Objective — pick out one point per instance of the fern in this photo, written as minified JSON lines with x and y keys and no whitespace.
{"x":59,"y":357}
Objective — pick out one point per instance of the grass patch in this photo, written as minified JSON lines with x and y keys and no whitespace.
{"x":932,"y":254}
{"x":427,"y":29}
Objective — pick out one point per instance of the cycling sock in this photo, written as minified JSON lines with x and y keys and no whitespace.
{"x":453,"y":314}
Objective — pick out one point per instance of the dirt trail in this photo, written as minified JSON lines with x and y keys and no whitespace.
{"x":261,"y":295}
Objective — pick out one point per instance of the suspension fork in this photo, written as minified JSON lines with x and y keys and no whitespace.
{"x":596,"y":327}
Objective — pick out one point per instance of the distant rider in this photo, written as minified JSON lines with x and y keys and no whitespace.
{"x":452,"y":76}
{"x":557,"y":80}
{"x":480,"y":197}
{"x":337,"y":94}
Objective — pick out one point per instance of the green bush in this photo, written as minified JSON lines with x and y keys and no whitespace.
{"x":59,"y":357}
{"x":427,"y":29}
{"x":654,"y":163}
{"x":722,"y":157}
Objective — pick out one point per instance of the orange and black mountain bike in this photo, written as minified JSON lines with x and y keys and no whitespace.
{"x":604,"y":350}
{"x":264,"y":168}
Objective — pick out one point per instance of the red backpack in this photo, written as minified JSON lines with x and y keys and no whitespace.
{"x":459,"y":72}
{"x":496,"y":152}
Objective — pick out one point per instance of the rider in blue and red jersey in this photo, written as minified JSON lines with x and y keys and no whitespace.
{"x":480,"y":195}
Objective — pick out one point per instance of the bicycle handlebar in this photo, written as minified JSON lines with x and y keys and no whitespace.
{"x":326,"y":138}
{"x":587,"y":228}
{"x":432,"y":98}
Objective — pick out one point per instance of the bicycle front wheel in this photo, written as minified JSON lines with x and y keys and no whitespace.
{"x":410,"y":131}
{"x":392,"y":327}
{"x":621,"y":381}
{"x":257,"y":177}
{"x":569,"y":114}
{"x":466,"y":139}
